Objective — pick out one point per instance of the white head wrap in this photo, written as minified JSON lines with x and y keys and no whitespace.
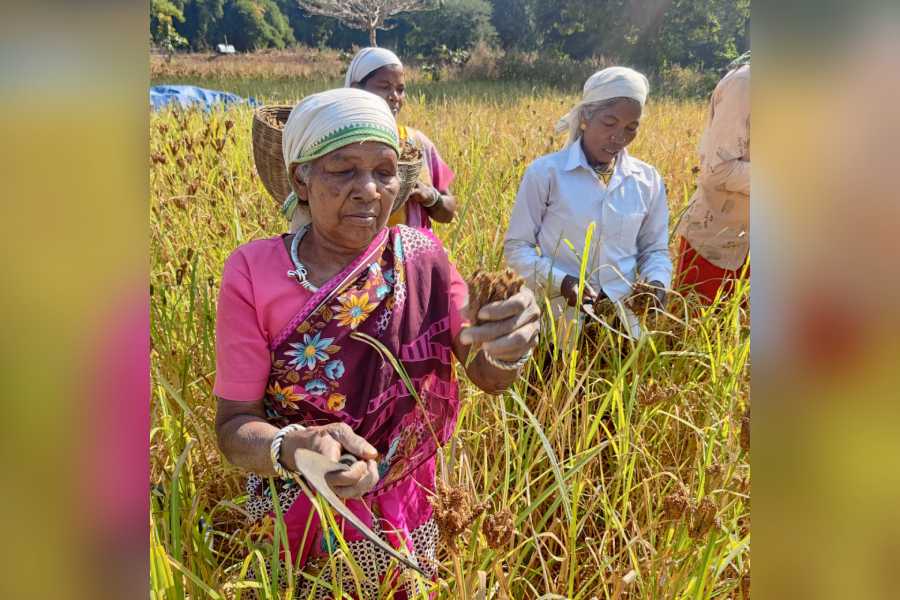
{"x":606,"y":84}
{"x":324,"y":122}
{"x":366,"y":61}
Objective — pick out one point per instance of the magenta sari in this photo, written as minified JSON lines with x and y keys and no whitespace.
{"x":397,"y":292}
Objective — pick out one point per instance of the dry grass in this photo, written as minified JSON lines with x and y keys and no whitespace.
{"x":306,"y":63}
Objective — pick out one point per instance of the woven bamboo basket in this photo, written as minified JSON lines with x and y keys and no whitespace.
{"x":267,"y":149}
{"x":268,"y":123}
{"x":408,"y":169}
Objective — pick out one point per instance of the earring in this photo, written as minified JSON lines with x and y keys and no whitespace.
{"x":583,"y":127}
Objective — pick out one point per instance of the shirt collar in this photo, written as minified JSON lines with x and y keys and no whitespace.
{"x":575,"y":158}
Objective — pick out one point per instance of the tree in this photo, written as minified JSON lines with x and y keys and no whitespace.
{"x":457,"y":25}
{"x":514,"y":24}
{"x":202,"y":21}
{"x":699,"y":33}
{"x":368,"y":15}
{"x":581,"y":29}
{"x":255,"y":24}
{"x":163,"y":15}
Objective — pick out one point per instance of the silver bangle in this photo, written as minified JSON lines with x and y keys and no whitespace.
{"x":435,"y":198}
{"x":507,"y":366}
{"x":275,"y":449}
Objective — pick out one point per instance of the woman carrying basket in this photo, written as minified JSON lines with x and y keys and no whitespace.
{"x":294,"y":373}
{"x":379,"y":71}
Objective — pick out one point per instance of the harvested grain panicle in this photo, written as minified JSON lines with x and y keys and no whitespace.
{"x":605,"y":308}
{"x":642,"y":298}
{"x":499,"y":528}
{"x":745,"y":586}
{"x":653,"y":393}
{"x":676,"y":505}
{"x":454,"y":511}
{"x":714,"y":475}
{"x":486,"y":287}
{"x":272,"y":119}
{"x":745,"y":431}
{"x":705,"y":517}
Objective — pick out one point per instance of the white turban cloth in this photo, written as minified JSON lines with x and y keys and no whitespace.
{"x":366,"y":61}
{"x":324,"y":122}
{"x":606,"y":84}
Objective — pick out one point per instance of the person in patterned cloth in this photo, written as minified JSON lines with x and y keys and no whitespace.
{"x":291,"y":365}
{"x":715,"y":228}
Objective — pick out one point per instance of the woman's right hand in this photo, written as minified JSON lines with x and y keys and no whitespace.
{"x":332,"y":441}
{"x":569,"y":291}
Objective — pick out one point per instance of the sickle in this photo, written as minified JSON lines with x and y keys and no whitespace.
{"x":589,"y":311}
{"x":314,"y":467}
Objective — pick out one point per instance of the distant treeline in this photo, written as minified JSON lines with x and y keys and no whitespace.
{"x":700,"y":34}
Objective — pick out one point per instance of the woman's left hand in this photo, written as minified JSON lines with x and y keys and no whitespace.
{"x":423,"y":194}
{"x":509,"y":328}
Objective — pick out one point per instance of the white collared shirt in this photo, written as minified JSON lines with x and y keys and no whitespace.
{"x":558,"y":199}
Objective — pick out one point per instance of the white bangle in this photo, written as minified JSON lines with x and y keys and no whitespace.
{"x":275,"y":449}
{"x":507,"y":366}
{"x":435,"y":198}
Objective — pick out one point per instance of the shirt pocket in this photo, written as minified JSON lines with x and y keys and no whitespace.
{"x":623,"y":215}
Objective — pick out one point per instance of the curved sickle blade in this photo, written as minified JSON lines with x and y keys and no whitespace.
{"x":313,"y":466}
{"x":587,"y":309}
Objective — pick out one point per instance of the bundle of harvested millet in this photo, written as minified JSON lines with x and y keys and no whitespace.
{"x":486,"y":287}
{"x":642,"y":298}
{"x":409,"y":152}
{"x":272,"y":119}
{"x":605,"y":308}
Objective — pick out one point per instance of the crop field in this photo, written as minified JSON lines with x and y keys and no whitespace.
{"x":625,"y":466}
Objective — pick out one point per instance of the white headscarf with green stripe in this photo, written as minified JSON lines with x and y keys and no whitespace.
{"x":324,"y":122}
{"x":368,"y":60}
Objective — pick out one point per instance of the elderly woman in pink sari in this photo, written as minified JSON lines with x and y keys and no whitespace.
{"x":293,"y":373}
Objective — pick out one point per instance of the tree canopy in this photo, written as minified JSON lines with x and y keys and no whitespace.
{"x":651,"y":33}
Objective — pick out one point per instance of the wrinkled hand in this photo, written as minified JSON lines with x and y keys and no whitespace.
{"x":423,"y":194}
{"x":332,"y":441}
{"x":569,"y":291}
{"x":509,"y":327}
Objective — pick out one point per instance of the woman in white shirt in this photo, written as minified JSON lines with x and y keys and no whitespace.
{"x":593,"y":180}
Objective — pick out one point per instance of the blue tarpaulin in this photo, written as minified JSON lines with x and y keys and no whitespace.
{"x":189,"y":95}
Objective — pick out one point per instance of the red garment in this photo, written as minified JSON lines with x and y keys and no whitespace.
{"x":698,"y":274}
